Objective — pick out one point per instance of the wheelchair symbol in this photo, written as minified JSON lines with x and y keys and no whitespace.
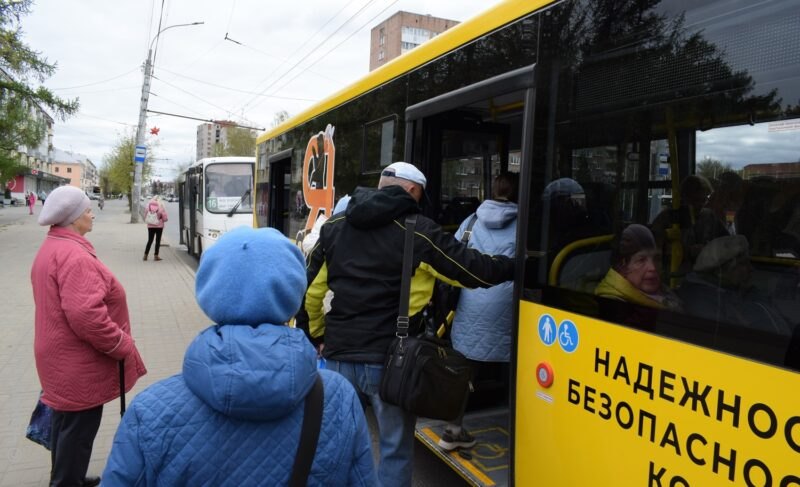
{"x":568,"y":336}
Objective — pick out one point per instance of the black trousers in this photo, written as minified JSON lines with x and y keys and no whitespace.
{"x":153,"y":232}
{"x":72,"y":436}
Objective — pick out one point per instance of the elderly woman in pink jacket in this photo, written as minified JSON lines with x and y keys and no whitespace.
{"x":155,"y":215}
{"x":82,"y":334}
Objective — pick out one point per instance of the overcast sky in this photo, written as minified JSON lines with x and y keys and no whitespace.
{"x":291,"y":53}
{"x":287,"y":55}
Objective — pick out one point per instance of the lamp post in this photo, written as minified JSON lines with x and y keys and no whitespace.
{"x":148,"y":71}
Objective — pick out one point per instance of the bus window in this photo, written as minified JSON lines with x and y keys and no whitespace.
{"x":229,"y":185}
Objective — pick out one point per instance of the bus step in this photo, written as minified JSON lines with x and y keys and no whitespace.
{"x":485,"y":464}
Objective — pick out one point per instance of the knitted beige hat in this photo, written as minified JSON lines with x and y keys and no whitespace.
{"x":63,"y":206}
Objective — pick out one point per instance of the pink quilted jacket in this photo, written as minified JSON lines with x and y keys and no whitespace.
{"x":82,"y":325}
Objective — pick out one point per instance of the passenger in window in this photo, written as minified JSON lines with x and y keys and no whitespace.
{"x":633,"y":276}
{"x":695,"y":191}
{"x":718,"y":218}
{"x":563,"y":206}
{"x":720,"y":288}
{"x":482,"y":325}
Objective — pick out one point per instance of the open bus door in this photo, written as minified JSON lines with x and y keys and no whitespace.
{"x":465,"y":138}
{"x":280,"y":174}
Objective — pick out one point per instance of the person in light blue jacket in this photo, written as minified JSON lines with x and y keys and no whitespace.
{"x":482,"y":323}
{"x":234,"y":415}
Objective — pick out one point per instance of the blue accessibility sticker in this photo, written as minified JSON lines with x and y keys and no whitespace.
{"x":547,"y":329}
{"x":568,"y":336}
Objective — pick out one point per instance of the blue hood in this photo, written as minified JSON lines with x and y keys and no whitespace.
{"x":251,"y":373}
{"x":496,"y":214}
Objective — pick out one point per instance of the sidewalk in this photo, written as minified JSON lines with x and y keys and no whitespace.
{"x":164,"y":318}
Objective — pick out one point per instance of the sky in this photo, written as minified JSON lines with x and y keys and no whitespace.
{"x":283,"y":55}
{"x":278,"y":55}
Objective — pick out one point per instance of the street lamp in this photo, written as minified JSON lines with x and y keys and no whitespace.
{"x":148,"y":71}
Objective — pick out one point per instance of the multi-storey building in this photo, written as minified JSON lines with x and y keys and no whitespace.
{"x":402,"y":32}
{"x":77,"y":168}
{"x":209,"y":135}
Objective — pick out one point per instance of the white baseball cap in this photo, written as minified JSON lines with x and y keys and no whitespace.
{"x":404,"y":170}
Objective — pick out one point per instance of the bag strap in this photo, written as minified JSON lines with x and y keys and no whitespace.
{"x":405,"y":283}
{"x":121,"y":387}
{"x":309,"y":435}
{"x":468,"y":232}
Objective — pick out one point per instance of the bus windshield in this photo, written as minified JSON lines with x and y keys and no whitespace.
{"x":227,"y":185}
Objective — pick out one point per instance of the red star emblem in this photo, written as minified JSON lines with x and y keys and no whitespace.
{"x":154,"y":131}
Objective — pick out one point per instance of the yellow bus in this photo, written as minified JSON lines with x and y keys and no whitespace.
{"x":681,"y":118}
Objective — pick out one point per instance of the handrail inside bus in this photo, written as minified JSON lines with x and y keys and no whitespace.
{"x":555,"y":268}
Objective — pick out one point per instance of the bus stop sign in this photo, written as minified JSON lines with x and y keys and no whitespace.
{"x":140,"y":153}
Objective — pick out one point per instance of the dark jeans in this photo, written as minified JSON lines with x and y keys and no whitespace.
{"x":72,"y":437}
{"x":153,"y":232}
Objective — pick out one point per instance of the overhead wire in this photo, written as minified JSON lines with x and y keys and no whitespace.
{"x":349,"y":19}
{"x":226,"y":110}
{"x":233,"y":89}
{"x":96,"y":82}
{"x":333,"y":48}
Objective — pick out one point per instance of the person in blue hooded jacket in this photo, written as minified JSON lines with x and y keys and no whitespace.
{"x":482,"y":323}
{"x":234,"y":415}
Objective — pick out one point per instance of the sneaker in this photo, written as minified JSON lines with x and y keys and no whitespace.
{"x":450,"y":441}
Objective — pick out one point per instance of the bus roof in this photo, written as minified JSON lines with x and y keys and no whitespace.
{"x":494,"y":17}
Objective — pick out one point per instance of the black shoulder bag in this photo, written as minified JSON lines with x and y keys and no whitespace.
{"x":422,"y":375}
{"x":309,"y":435}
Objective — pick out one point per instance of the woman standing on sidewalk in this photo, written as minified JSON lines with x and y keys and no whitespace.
{"x":82,"y":333}
{"x":155,"y":216}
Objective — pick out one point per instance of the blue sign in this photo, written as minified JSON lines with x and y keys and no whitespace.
{"x":547,"y":329}
{"x":663,"y":171}
{"x":140,"y":153}
{"x":568,"y":336}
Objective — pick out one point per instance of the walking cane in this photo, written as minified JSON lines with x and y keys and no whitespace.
{"x":122,"y":387}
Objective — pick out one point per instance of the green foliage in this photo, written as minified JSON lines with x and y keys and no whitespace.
{"x":238,"y":142}
{"x":118,"y":166}
{"x":711,"y":168}
{"x":20,"y":125}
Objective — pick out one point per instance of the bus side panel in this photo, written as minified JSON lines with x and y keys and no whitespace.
{"x":631,"y":408}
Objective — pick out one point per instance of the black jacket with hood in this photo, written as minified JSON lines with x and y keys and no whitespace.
{"x":359,"y":257}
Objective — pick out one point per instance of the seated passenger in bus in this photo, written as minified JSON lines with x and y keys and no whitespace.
{"x":564,"y":216}
{"x":633,"y":276}
{"x":482,"y":327}
{"x":694,"y":193}
{"x":718,"y":218}
{"x":721,"y":288}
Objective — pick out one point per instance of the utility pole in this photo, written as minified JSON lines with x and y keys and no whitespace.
{"x":140,"y":129}
{"x":137,"y":172}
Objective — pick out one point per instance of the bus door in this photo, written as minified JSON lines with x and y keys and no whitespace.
{"x":279,"y":191}
{"x":194,"y":181}
{"x":463,"y":157}
{"x":462,"y":140}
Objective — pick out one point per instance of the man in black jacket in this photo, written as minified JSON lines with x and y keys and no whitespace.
{"x":359,"y":256}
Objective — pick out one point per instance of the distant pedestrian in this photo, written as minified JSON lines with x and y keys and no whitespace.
{"x":234,"y":414}
{"x":155,"y":216}
{"x":82,"y":333}
{"x":31,"y":202}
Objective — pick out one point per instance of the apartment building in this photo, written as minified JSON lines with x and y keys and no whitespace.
{"x":401,"y":33}
{"x":209,"y":135}
{"x":76,"y":168}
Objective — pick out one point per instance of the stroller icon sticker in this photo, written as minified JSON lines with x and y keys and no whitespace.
{"x":568,"y":336}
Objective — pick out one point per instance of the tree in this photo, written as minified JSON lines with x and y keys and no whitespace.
{"x":240,"y":142}
{"x":118,"y":165}
{"x":711,"y":168}
{"x":20,"y":65}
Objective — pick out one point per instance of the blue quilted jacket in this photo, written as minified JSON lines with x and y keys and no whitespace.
{"x":233,"y":417}
{"x":482,"y":324}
